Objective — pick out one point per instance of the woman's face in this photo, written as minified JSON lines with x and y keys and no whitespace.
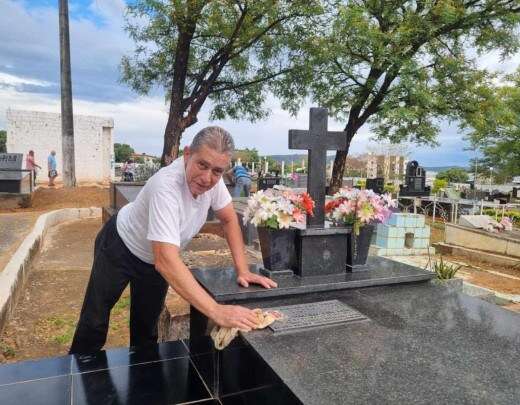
{"x":204,"y":168}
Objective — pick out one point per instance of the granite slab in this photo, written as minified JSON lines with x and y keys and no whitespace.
{"x":422,"y":344}
{"x":221,"y":283}
{"x":179,"y":372}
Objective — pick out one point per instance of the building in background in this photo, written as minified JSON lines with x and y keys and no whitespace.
{"x":41,"y":132}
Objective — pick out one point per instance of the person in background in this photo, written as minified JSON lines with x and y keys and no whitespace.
{"x":52,"y":168}
{"x":128,"y":170}
{"x":30,"y":164}
{"x":242,"y":181}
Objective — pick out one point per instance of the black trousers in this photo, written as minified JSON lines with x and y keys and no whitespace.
{"x":113,"y":268}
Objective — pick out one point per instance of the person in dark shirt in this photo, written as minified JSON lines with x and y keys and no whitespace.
{"x":242,"y":181}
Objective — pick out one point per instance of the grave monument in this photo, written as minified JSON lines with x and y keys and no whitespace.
{"x":384,"y":335}
{"x":415,"y":181}
{"x":13,"y":178}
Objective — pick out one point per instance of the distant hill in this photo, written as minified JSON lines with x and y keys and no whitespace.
{"x":295,"y":158}
{"x":442,"y":168}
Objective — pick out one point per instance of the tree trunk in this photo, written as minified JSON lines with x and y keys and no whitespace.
{"x":67,"y":123}
{"x":340,"y":161}
{"x":172,"y":140}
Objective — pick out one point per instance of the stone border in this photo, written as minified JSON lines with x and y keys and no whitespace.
{"x":14,"y":274}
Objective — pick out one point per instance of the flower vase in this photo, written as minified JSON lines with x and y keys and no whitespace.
{"x":358,"y":246}
{"x":278,"y":248}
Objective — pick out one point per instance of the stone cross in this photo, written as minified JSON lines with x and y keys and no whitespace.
{"x":317,"y":140}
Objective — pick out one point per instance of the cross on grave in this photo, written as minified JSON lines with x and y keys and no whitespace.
{"x":317,"y":140}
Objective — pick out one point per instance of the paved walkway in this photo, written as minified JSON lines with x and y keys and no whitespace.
{"x":14,"y":227}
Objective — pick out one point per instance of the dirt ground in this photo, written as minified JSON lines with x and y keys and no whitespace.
{"x":47,"y":199}
{"x":46,"y":314}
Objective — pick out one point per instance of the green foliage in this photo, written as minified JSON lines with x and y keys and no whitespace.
{"x":438,"y":185}
{"x":390,"y":188}
{"x":514,"y":215}
{"x":445,"y":271}
{"x":362,"y":183}
{"x":3,"y":140}
{"x":225,"y":51}
{"x":246,"y":155}
{"x":495,"y":131}
{"x":453,"y":175}
{"x":400,"y":66}
{"x":122,"y":152}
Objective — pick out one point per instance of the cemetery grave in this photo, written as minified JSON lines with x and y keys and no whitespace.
{"x":386,"y":335}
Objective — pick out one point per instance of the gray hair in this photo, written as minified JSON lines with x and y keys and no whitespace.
{"x":216,"y":138}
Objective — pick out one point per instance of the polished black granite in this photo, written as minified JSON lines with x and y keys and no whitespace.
{"x":34,"y":370}
{"x":221,"y":283}
{"x":421,"y":344}
{"x":128,"y":356}
{"x":168,"y":373}
{"x":55,"y":391}
{"x":166,"y":382}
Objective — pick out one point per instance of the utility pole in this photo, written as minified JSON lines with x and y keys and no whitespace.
{"x":67,"y":122}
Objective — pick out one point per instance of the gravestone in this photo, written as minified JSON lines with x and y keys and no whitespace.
{"x":477,"y":221}
{"x":317,"y":140}
{"x":415,"y":181}
{"x":13,"y":179}
{"x":377,"y":185}
{"x":265,"y":182}
{"x":320,"y":250}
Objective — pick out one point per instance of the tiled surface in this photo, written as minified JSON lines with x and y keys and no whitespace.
{"x":55,"y":391}
{"x":128,"y":356}
{"x":166,"y":373}
{"x":33,"y":370}
{"x":165,"y":382}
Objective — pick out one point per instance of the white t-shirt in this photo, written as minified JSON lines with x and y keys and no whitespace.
{"x":166,"y":211}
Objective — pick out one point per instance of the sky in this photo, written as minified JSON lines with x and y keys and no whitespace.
{"x":29,"y":79}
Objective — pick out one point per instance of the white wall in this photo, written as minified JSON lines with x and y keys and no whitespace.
{"x":41,"y":132}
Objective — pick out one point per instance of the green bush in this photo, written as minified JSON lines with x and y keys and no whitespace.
{"x":514,"y":215}
{"x":445,"y":271}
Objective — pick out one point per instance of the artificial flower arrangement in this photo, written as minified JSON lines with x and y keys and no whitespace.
{"x":350,"y":206}
{"x":277,"y":207}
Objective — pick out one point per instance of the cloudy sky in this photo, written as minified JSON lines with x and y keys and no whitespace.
{"x":29,"y":79}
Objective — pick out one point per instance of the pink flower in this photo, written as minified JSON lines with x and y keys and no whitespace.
{"x":298,"y":215}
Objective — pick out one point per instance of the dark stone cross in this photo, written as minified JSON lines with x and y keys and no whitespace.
{"x":317,"y":140}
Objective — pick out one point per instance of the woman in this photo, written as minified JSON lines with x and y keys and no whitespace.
{"x":30,"y":164}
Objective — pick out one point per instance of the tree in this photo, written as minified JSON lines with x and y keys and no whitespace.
{"x":122,"y":152}
{"x":197,"y":50}
{"x":246,"y":155}
{"x":453,"y":175}
{"x":439,"y":185}
{"x":495,"y":131}
{"x":398,"y":65}
{"x":3,"y":141}
{"x":67,"y":123}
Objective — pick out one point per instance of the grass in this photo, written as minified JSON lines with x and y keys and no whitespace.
{"x":7,"y":351}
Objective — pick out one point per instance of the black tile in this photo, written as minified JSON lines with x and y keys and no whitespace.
{"x":34,"y":369}
{"x":234,"y":369}
{"x":274,"y":395}
{"x":105,"y":359}
{"x":166,"y":382}
{"x":204,"y":344}
{"x":47,"y":391}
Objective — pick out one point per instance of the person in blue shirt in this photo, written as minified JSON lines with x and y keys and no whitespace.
{"x":242,"y":181}
{"x":52,"y":168}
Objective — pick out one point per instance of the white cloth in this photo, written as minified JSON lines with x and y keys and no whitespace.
{"x":166,"y":211}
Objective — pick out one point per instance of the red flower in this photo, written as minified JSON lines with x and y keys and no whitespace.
{"x":308,"y":204}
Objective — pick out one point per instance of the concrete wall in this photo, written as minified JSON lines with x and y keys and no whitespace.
{"x":482,"y":240}
{"x":41,"y":132}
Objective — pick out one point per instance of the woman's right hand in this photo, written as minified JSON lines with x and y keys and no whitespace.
{"x":234,"y":316}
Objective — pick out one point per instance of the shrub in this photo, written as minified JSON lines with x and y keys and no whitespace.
{"x":445,"y":271}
